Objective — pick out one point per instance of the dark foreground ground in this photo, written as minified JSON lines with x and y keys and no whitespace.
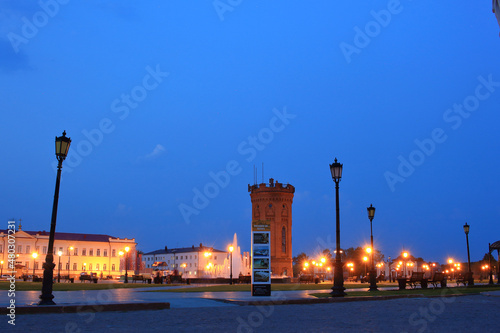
{"x":476,"y":313}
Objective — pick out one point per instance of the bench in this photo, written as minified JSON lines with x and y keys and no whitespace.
{"x":88,"y":278}
{"x":416,"y":278}
{"x":142,"y":277}
{"x":464,"y":278}
{"x":137,"y":278}
{"x":440,"y":278}
{"x":67,"y":278}
{"x":306,"y":279}
{"x":245,"y":279}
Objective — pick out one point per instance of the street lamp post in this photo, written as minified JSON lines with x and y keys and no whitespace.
{"x":46,"y":298}
{"x":389,"y":268}
{"x":466,"y":230}
{"x":365,"y":260}
{"x":126,"y":264}
{"x":34,"y":255}
{"x":338,"y":277}
{"x":231,"y":248}
{"x":69,"y":262}
{"x":373,"y":278}
{"x":59,"y":267}
{"x":491,"y":267}
{"x":405,"y":255}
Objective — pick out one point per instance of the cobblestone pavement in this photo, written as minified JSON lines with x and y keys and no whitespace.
{"x":476,"y":313}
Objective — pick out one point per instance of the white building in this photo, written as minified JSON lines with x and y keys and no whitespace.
{"x":79,"y":253}
{"x":191,"y":262}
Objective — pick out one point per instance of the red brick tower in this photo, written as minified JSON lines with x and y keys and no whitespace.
{"x":273,"y":202}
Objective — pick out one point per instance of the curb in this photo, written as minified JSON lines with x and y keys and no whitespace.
{"x":319,"y":300}
{"x":35,"y":309}
{"x":334,"y":299}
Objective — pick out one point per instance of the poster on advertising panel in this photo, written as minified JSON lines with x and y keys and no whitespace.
{"x":261,"y":258}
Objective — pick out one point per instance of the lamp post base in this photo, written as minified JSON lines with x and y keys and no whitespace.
{"x":46,"y":298}
{"x":338,"y":292}
{"x":373,"y":281}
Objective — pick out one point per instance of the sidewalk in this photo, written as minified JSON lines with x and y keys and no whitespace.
{"x":184,"y":299}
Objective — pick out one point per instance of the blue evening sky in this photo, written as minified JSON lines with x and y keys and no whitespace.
{"x":160,"y":97}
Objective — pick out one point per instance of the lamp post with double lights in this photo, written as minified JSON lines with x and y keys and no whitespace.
{"x":466,"y":230}
{"x":34,"y":255}
{"x":231,"y":249}
{"x":373,"y":278}
{"x":46,"y":298}
{"x":338,"y":276}
{"x":59,"y":267}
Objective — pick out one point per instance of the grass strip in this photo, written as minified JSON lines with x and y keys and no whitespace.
{"x":29,"y":286}
{"x":419,"y":291}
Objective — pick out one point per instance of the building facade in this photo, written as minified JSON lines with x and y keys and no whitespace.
{"x":273,"y":202}
{"x":89,"y":253}
{"x":191,"y":262}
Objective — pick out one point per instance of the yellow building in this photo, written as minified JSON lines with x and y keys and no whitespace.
{"x":73,"y":253}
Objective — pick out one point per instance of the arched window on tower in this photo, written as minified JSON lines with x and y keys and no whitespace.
{"x":283,"y":240}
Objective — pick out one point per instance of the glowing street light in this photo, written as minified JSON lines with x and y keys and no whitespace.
{"x":231,"y":249}
{"x":69,"y":262}
{"x":365,"y":259}
{"x":126,"y":264}
{"x":59,"y":253}
{"x":34,"y":255}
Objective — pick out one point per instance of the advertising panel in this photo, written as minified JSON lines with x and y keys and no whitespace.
{"x":261,"y":258}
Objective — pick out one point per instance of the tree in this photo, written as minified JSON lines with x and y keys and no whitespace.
{"x":298,"y":262}
{"x":486,"y":258}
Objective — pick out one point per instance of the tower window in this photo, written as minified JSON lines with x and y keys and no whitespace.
{"x":283,"y":240}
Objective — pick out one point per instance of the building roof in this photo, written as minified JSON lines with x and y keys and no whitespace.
{"x":184,"y":250}
{"x":69,"y":236}
{"x":495,"y":246}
